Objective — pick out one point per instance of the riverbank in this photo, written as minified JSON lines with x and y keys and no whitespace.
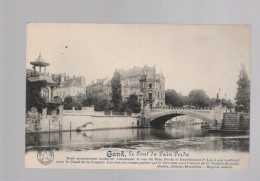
{"x":73,"y":122}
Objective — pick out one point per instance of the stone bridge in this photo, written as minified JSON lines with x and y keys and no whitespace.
{"x":158,"y":116}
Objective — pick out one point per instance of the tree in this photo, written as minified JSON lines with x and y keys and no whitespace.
{"x":116,"y":91}
{"x":79,"y":101}
{"x":243,"y":90}
{"x":173,"y":98}
{"x":33,"y":95}
{"x":186,"y":100}
{"x":133,"y":105}
{"x":89,"y":101}
{"x":102,"y":104}
{"x":214,"y":101}
{"x":227,"y":103}
{"x":68,"y":103}
{"x":199,"y":98}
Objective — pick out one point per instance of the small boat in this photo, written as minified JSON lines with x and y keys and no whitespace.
{"x":86,"y":127}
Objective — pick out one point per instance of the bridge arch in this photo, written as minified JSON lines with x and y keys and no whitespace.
{"x":158,"y":119}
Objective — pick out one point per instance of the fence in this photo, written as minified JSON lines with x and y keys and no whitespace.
{"x":95,"y":113}
{"x":110,"y":113}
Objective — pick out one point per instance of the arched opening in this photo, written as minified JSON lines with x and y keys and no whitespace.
{"x":159,"y":121}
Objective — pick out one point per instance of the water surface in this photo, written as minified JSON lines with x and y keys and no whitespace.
{"x":178,"y":137}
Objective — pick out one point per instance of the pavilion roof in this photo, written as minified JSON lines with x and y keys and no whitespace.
{"x":40,"y":62}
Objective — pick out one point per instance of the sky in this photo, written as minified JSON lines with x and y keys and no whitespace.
{"x":191,"y":57}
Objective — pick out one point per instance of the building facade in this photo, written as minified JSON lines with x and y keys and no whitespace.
{"x":137,"y":80}
{"x":69,"y":86}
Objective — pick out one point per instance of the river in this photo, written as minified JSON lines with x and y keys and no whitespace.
{"x":179,"y":137}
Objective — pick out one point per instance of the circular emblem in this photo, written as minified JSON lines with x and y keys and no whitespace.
{"x":45,"y":156}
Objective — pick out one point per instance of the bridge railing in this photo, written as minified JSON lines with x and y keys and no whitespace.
{"x":182,"y":108}
{"x":111,"y":113}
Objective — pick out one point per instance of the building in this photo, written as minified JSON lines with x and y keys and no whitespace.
{"x":53,"y":104}
{"x":62,"y":79}
{"x":69,"y":86}
{"x":101,"y":88}
{"x":152,"y":86}
{"x":137,"y":80}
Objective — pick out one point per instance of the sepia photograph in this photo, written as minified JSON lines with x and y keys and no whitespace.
{"x":137,"y":96}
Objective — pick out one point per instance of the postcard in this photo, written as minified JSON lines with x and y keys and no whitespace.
{"x":137,"y":96}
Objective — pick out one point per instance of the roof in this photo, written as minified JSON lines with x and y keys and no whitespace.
{"x":108,"y":82}
{"x":136,"y":71}
{"x":41,"y":78}
{"x":40,"y":62}
{"x":99,"y":81}
{"x":72,"y":83}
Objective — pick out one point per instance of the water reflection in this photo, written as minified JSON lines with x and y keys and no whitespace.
{"x":178,"y":137}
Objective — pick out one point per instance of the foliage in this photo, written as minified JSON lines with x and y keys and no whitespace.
{"x":33,"y":95}
{"x":68,"y":103}
{"x":89,"y":101}
{"x":186,"y":100}
{"x":134,"y":104}
{"x":79,"y":101}
{"x":173,"y":98}
{"x":198,"y":98}
{"x":214,"y":101}
{"x":228,"y":104}
{"x":243,"y":90}
{"x":102,"y":104}
{"x":116,"y":91}
{"x":131,"y":105}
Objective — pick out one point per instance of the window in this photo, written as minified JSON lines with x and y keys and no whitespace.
{"x":46,"y":93}
{"x":150,"y":95}
{"x":150,"y":85}
{"x":48,"y":111}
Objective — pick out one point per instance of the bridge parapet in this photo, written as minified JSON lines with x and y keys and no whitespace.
{"x":158,"y":115}
{"x":181,"y":108}
{"x":201,"y":114}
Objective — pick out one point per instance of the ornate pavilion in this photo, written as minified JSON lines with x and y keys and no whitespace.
{"x":53,"y":103}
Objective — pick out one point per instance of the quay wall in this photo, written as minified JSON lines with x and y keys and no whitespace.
{"x":71,"y":122}
{"x":236,"y":121}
